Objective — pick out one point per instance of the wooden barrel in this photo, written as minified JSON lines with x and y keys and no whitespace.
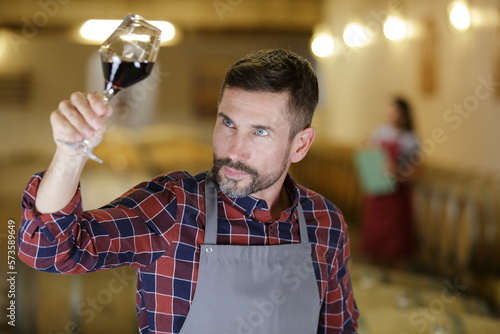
{"x":421,"y":204}
{"x":494,"y":228}
{"x":485,"y":256}
{"x":354,"y":194}
{"x":453,"y":203}
{"x":435,"y":219}
{"x":467,"y":235}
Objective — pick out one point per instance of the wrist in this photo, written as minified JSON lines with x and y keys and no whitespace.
{"x":60,"y":182}
{"x":69,"y":158}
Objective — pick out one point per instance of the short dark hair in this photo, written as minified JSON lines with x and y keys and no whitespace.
{"x":278,"y":70}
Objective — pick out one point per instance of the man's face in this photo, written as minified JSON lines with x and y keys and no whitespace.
{"x":251,"y":142}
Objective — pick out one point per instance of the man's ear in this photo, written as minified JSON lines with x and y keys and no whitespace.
{"x":301,"y":144}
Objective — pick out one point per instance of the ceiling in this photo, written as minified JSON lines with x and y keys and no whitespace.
{"x":188,"y":15}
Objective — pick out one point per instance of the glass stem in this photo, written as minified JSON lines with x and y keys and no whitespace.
{"x":108,"y":94}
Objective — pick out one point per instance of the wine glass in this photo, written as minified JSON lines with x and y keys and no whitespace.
{"x":128,"y":56}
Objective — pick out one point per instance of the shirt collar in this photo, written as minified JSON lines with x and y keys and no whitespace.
{"x":253,"y":207}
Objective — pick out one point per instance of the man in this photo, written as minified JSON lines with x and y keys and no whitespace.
{"x":239,"y":249}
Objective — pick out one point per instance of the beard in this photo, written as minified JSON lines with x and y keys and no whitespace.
{"x":241,"y":188}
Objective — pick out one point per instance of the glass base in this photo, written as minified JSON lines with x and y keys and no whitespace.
{"x":83,"y":147}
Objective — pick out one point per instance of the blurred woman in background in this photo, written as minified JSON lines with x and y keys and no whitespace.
{"x":387,"y":233}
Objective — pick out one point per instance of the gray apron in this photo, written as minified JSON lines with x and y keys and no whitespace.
{"x":253,"y":289}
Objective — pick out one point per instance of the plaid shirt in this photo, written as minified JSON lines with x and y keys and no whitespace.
{"x":158,"y":227}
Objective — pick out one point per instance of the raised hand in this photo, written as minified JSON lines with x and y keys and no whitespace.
{"x":82,"y":117}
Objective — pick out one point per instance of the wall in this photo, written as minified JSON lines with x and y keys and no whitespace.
{"x":58,"y":66}
{"x":357,"y":82}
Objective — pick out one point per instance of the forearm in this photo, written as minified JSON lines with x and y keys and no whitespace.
{"x":73,"y":241}
{"x":81,"y":117}
{"x":60,"y":182}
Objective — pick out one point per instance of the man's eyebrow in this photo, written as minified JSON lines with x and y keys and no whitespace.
{"x":222,"y":115}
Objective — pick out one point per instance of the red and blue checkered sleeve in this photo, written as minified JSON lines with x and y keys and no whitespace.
{"x":134,"y":230}
{"x":339,"y":307}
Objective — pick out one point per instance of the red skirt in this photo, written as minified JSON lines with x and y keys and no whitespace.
{"x":387,"y":228}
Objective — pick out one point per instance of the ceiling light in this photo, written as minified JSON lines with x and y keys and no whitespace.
{"x":355,"y":35}
{"x":460,"y":16}
{"x":322,"y":45}
{"x":394,"y":28}
{"x":98,"y":30}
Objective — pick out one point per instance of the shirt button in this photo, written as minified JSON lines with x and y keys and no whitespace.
{"x":272,"y":230}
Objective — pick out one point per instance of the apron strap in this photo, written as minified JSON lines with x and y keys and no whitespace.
{"x":211,"y":214}
{"x":304,"y":238}
{"x":210,"y":211}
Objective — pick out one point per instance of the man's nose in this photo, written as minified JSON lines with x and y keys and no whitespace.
{"x":238,"y":149}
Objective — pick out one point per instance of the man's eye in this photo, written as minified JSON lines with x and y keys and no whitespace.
{"x":261,"y":132}
{"x":228,"y":123}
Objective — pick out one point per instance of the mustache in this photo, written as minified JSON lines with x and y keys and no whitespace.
{"x":238,"y":165}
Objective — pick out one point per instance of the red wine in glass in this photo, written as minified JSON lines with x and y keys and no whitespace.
{"x":119,"y":74}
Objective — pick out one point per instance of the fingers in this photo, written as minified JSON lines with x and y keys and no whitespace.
{"x":89,"y":116}
{"x":102,"y":111}
{"x":62,"y":127}
{"x":97,"y":103}
{"x":82,"y":116}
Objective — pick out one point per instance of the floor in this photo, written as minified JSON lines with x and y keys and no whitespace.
{"x":391,"y":301}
